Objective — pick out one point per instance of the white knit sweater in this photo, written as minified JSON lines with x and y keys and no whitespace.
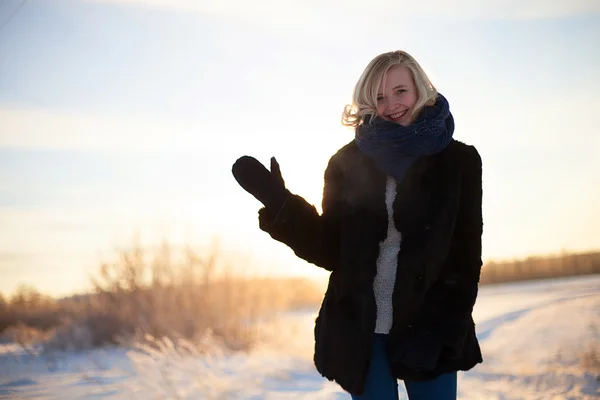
{"x":387,"y":262}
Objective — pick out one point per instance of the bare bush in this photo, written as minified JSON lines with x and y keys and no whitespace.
{"x":161,"y":294}
{"x":185,"y":296}
{"x":27,"y":307}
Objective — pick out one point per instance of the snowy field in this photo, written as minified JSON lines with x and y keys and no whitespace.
{"x":532,"y":336}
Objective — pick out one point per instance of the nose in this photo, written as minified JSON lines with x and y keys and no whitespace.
{"x":392,"y":106}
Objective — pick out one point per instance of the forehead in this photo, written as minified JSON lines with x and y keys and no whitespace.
{"x":395,"y":76}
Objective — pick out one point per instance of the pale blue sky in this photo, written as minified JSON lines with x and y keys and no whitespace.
{"x":124,"y":116}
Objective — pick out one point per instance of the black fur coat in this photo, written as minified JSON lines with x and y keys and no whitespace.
{"x":437,"y":209}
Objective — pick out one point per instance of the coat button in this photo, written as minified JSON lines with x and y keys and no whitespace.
{"x":427,"y":227}
{"x":409,"y":326}
{"x":420,"y":277}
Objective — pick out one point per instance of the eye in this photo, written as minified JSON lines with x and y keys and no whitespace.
{"x":400,"y":91}
{"x":379,"y":98}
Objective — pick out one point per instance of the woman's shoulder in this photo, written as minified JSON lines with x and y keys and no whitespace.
{"x":463,"y":152}
{"x":345,"y":154}
{"x":347,"y":149}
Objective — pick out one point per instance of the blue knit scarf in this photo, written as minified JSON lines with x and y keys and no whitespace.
{"x":394,"y":147}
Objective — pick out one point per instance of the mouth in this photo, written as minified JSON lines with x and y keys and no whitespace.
{"x":395,"y":117}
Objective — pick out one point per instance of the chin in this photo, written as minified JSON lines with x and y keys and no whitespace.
{"x":407,"y":121}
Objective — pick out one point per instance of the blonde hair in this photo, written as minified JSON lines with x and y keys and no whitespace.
{"x":364,"y":98}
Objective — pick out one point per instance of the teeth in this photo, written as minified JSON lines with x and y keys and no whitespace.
{"x":394,"y":116}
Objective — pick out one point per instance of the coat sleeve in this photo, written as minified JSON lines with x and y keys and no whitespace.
{"x":313,"y":237}
{"x":449,"y":302}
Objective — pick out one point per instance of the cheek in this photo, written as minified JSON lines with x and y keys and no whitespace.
{"x":412,"y":100}
{"x":380,"y":110}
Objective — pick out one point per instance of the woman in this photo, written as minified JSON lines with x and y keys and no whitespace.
{"x":400,"y":232}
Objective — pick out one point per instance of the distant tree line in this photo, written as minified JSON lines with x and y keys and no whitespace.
{"x":540,"y":267}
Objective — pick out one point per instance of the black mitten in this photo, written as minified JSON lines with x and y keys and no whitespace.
{"x":420,"y":352}
{"x":266,"y":186}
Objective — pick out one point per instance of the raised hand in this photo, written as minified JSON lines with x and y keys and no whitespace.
{"x":266,"y":186}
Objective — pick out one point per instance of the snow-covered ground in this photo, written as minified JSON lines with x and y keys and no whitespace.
{"x":532,"y":336}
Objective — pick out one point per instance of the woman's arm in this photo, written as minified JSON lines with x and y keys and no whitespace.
{"x":449,"y":302}
{"x":313,"y":237}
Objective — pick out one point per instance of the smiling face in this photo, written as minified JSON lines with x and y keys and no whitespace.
{"x":397,"y":96}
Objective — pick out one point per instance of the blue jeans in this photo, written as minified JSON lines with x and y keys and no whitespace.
{"x":381,"y":385}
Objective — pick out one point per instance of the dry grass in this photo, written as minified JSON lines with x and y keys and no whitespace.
{"x":590,"y":359}
{"x":582,"y":354}
{"x":142,"y":295}
{"x":590,"y":356}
